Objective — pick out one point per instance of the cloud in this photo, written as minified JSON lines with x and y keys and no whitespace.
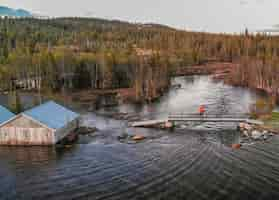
{"x":246,"y":2}
{"x":89,"y":14}
{"x":243,"y":2}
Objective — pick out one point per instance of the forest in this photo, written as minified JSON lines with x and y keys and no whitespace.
{"x":73,"y":54}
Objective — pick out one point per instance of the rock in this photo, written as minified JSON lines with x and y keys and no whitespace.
{"x":138,"y":137}
{"x":256,"y":134}
{"x":265,"y":137}
{"x":246,"y":134}
{"x":265,"y":132}
{"x":123,"y":136}
{"x":242,"y":125}
{"x":168,"y":125}
{"x":182,"y":126}
{"x":247,"y":127}
{"x":236,"y":146}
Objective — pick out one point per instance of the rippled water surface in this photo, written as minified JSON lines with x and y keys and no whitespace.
{"x":193,"y":162}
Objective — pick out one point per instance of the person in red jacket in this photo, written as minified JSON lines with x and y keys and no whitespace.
{"x":201,"y":110}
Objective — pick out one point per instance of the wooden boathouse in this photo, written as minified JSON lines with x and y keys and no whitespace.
{"x":45,"y":124}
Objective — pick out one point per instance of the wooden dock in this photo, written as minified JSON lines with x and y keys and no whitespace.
{"x":212,"y":118}
{"x":149,"y":123}
{"x":197,"y":118}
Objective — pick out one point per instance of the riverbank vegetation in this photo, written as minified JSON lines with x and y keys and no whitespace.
{"x":272,"y":122}
{"x":263,"y":110}
{"x":74,"y":54}
{"x":274,"y":118}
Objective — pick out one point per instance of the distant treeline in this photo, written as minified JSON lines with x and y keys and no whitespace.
{"x":81,"y":53}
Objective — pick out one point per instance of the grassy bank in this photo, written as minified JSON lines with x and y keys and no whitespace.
{"x":272,"y":123}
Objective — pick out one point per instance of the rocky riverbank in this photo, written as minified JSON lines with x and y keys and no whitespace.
{"x":250,"y":132}
{"x":263,"y":132}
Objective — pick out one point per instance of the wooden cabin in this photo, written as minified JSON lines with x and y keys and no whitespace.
{"x":46,"y":124}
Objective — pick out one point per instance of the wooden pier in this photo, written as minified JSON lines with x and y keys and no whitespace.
{"x":181,"y":117}
{"x":149,"y":123}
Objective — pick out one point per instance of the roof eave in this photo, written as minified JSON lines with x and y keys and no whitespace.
{"x":22,"y":114}
{"x":42,"y":124}
{"x":9,"y":120}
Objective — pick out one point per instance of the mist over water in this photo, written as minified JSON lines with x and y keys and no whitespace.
{"x":193,"y":162}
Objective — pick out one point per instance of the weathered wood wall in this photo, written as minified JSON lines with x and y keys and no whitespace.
{"x":26,"y":136}
{"x":23,"y":131}
{"x":23,"y":122}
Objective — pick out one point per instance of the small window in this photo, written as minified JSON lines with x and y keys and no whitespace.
{"x":26,"y":134}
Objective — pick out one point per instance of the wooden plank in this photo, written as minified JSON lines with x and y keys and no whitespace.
{"x":209,"y":116}
{"x":148,"y":123}
{"x":255,"y":122}
{"x":200,"y":119}
{"x":180,"y":118}
{"x":204,"y":119}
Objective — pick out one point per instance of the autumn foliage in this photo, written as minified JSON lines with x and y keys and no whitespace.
{"x":79,"y":53}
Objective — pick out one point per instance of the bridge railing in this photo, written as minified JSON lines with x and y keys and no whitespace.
{"x":207,"y":115}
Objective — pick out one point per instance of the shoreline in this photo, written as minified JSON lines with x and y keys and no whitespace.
{"x":97,"y":98}
{"x":223,"y":71}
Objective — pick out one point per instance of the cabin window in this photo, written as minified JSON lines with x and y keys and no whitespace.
{"x":5,"y":134}
{"x":26,"y":134}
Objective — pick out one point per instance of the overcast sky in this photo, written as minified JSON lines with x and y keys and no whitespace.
{"x":199,"y":15}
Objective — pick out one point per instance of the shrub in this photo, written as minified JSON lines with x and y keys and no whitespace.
{"x":262,"y":107}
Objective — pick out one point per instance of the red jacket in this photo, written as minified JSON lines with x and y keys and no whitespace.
{"x":202,"y":109}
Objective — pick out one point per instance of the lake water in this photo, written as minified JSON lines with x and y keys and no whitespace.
{"x":193,"y":162}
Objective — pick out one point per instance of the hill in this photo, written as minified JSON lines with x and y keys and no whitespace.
{"x":5,"y":11}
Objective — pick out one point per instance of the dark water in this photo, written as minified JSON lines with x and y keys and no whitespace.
{"x":194,"y":162}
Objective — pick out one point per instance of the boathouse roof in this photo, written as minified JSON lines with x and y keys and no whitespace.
{"x":5,"y":114}
{"x":52,"y":115}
